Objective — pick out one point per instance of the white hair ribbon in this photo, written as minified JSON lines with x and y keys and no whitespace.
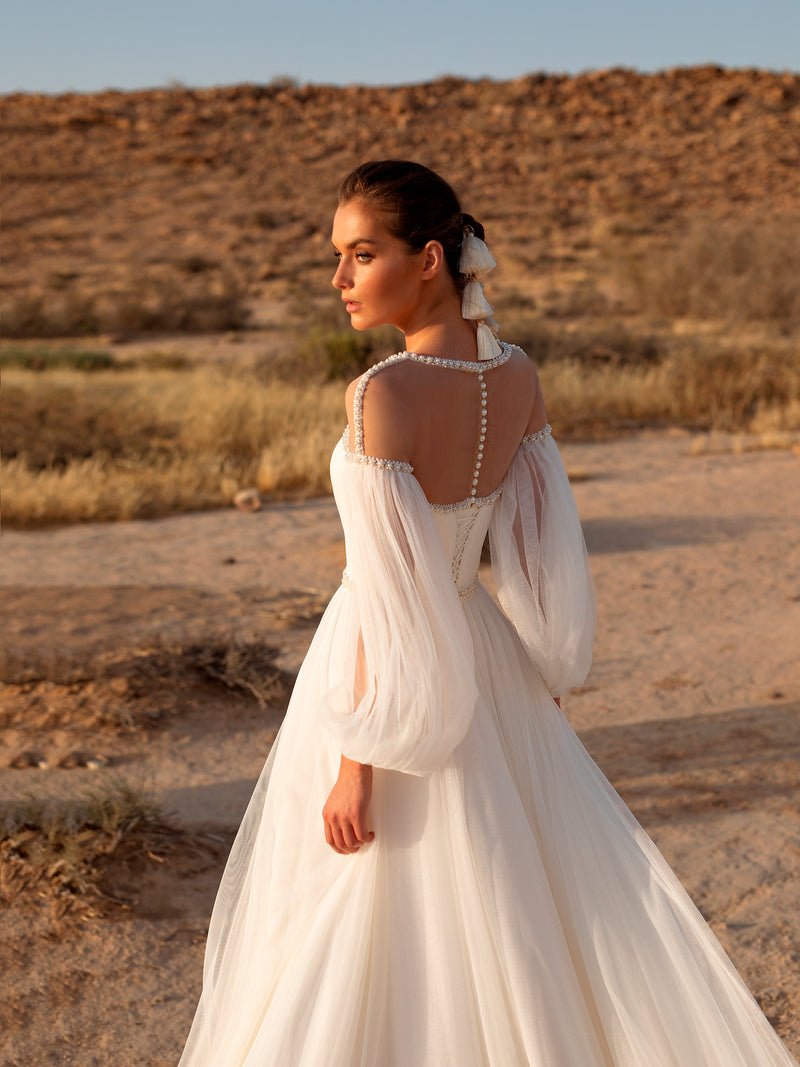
{"x":475,"y":263}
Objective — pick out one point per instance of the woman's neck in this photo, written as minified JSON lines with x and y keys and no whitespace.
{"x":448,"y":337}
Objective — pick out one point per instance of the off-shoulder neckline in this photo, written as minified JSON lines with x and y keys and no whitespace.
{"x":408,"y":468}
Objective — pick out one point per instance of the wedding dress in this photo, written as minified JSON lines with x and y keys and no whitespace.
{"x":510,"y":910}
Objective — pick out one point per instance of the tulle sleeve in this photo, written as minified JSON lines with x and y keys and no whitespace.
{"x":541,"y":566}
{"x":401,"y":680}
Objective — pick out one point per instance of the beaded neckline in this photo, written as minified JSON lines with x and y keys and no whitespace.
{"x":476,"y":366}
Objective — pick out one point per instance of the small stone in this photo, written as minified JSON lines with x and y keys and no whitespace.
{"x":247,"y":500}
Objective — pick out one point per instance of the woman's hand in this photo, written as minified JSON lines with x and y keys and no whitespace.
{"x":346,"y":811}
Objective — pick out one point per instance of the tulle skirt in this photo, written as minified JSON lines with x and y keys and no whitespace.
{"x":510,"y":910}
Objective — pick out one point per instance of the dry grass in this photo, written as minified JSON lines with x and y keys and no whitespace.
{"x":148,"y":441}
{"x":142,"y":443}
{"x":704,"y":390}
{"x":57,"y":849}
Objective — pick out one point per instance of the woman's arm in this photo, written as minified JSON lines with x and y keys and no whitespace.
{"x":346,"y":811}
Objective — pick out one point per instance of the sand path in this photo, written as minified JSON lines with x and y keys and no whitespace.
{"x":692,"y":707}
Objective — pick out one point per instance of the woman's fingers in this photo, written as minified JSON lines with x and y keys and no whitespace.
{"x":329,"y":836}
{"x":334,"y":835}
{"x":347,"y":837}
{"x":361,"y":831}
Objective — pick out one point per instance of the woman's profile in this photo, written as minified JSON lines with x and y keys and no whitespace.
{"x":432,"y":872}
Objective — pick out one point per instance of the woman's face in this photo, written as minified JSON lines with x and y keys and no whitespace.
{"x":380,"y":279}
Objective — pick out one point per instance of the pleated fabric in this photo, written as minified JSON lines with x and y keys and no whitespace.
{"x":510,"y":910}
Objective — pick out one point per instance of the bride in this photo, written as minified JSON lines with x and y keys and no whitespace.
{"x":432,"y":872}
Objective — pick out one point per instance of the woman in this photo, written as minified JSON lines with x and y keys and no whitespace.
{"x":477,"y":894}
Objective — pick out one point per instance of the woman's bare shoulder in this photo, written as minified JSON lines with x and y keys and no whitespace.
{"x":530,"y":383}
{"x":524,"y":364}
{"x":387,"y":406}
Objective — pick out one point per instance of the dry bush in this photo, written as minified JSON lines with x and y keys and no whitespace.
{"x":708,"y":390}
{"x":331,"y":354}
{"x":721,"y":270}
{"x":734,"y":390}
{"x":56,"y":848}
{"x":249,"y":668}
{"x":612,"y":344}
{"x":195,"y":302}
{"x":137,"y":688}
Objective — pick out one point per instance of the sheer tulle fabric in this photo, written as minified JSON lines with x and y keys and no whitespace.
{"x":541,"y":566}
{"x":510,"y":910}
{"x":403,"y":620}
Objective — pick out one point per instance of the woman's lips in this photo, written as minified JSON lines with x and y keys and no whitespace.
{"x":351,"y":306}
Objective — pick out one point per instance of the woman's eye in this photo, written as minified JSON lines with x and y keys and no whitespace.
{"x":363,"y":257}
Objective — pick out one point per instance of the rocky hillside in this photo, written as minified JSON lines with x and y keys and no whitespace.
{"x":208,"y":195}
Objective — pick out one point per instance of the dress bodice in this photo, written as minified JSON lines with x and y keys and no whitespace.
{"x":463,"y":531}
{"x":462,"y":526}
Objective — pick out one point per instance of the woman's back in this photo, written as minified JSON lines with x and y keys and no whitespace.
{"x":432,"y":417}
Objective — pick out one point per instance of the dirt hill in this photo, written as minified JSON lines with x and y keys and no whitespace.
{"x":222,"y":194}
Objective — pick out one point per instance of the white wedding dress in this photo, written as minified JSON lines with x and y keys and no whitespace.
{"x":510,"y":910}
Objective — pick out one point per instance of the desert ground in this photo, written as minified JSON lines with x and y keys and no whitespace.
{"x":692,"y":709}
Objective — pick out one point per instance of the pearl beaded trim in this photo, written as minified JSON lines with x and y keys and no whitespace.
{"x":455,"y":364}
{"x":470,"y":590}
{"x":469,"y":502}
{"x":373,"y":461}
{"x":529,"y":438}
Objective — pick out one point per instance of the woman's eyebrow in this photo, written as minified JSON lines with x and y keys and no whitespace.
{"x":359,"y":241}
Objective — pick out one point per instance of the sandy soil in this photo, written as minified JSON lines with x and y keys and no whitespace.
{"x":692,"y":708}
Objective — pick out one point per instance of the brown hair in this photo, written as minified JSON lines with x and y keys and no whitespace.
{"x":417,"y":204}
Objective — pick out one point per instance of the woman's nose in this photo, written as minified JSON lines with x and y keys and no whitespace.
{"x":339,"y":280}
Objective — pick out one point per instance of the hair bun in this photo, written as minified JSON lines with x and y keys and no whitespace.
{"x":474,"y":225}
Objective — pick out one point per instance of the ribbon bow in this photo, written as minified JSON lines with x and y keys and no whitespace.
{"x":475,"y":263}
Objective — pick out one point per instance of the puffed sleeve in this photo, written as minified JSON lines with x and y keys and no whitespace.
{"x":400,"y":687}
{"x":541,"y":566}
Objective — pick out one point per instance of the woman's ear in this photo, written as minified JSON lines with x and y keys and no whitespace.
{"x":433,"y":259}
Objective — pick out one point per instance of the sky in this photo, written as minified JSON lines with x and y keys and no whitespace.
{"x":52,"y":46}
